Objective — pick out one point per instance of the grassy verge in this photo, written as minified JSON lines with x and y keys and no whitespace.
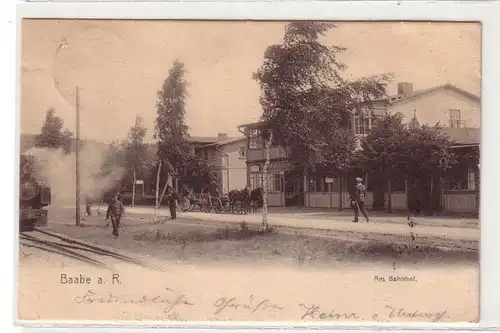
{"x":205,"y":242}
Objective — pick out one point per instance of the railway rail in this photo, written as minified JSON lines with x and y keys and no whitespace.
{"x":78,"y":250}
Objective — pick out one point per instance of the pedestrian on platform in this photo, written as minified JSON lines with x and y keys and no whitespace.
{"x":115,"y":212}
{"x":172,"y":202}
{"x":360,"y":200}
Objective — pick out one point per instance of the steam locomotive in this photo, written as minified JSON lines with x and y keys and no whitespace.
{"x":33,"y":196}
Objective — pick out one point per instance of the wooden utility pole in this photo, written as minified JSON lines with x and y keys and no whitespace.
{"x":77,"y":154}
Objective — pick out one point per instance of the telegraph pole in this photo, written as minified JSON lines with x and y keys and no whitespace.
{"x":77,"y":153}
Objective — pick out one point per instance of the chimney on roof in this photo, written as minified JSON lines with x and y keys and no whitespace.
{"x":405,"y":88}
{"x":222,"y":136}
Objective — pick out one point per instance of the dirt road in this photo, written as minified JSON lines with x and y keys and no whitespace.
{"x":381,"y":225}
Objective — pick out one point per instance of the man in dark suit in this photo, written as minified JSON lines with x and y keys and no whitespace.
{"x":360,"y":200}
{"x":115,"y":212}
{"x":172,"y":198}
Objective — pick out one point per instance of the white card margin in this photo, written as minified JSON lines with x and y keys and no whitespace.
{"x":486,"y":12}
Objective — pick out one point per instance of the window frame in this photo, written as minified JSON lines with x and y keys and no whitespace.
{"x":455,"y":122}
{"x":255,"y":140}
{"x":242,"y":152}
{"x":363,"y":120}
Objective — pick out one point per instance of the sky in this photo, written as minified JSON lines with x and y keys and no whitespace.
{"x":120,"y":65}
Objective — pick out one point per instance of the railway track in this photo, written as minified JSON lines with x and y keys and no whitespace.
{"x":81,"y":251}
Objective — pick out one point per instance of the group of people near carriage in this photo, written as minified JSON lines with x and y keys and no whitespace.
{"x":210,"y":199}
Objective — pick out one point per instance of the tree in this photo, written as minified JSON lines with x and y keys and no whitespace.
{"x":135,"y":152}
{"x":419,"y":154}
{"x":380,"y":155}
{"x":304,"y":99}
{"x":426,"y":158}
{"x":196,"y":173}
{"x":171,"y":131}
{"x":52,"y":134}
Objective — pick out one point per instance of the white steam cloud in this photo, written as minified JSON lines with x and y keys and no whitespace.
{"x":58,"y":170}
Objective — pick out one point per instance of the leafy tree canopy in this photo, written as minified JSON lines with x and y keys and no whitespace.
{"x":305,"y":100}
{"x":171,"y":131}
{"x":393,"y":148}
{"x":52,"y":134}
{"x":135,"y":151}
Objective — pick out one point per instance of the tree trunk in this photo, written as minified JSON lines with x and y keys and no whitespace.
{"x":157,"y":191}
{"x":304,"y":176}
{"x":162,"y":194}
{"x":406,"y":197}
{"x":133,"y":188}
{"x":430,"y":194}
{"x":379,"y":186}
{"x":389,"y":195}
{"x":265,"y":186}
{"x":341,"y":194}
{"x":441,"y":194}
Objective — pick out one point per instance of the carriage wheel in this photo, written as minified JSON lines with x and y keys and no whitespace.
{"x":183,"y":205}
{"x":226,"y":207}
{"x":217,"y":205}
{"x":206,"y":207}
{"x":237,"y":208}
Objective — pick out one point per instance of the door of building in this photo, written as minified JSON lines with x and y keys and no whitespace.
{"x":294,"y":189}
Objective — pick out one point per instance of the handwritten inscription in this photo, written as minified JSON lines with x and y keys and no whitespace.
{"x":314,"y":312}
{"x":251,"y":305}
{"x":173,"y":301}
{"x":83,"y":279}
{"x":170,"y":302}
{"x":412,"y":314}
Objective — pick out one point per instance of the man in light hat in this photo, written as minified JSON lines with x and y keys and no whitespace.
{"x":360,"y":200}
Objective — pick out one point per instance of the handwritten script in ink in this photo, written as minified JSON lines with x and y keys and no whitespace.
{"x":171,"y":301}
{"x":251,"y":305}
{"x":390,"y":313}
{"x":401,"y":313}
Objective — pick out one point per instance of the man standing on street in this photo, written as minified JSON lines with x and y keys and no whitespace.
{"x":172,"y":202}
{"x":360,"y":200}
{"x":88,"y":206}
{"x":115,"y":212}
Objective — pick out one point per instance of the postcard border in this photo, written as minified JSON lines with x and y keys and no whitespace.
{"x":341,"y":11}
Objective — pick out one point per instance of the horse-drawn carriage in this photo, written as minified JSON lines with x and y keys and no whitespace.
{"x":205,"y":202}
{"x":234,"y":202}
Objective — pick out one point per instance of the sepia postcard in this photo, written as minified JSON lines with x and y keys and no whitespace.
{"x":249,"y":171}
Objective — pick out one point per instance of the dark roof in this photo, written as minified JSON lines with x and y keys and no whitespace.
{"x":255,"y":124}
{"x":463,"y":136}
{"x":202,"y":139}
{"x":225,"y":142}
{"x":210,"y":139}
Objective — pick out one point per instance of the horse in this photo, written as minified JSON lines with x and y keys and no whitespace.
{"x":256,"y":198}
{"x":242,"y":196}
